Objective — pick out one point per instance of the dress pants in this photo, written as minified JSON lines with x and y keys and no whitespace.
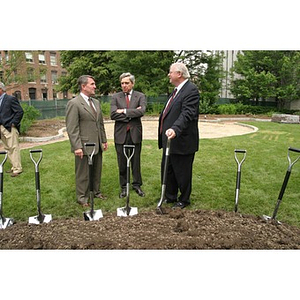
{"x":82,"y":176}
{"x":135,"y":163}
{"x":179,"y":176}
{"x":10,"y":142}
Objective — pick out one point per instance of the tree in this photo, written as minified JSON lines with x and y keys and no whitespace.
{"x":267,"y":74}
{"x":205,"y":68}
{"x":149,"y":67}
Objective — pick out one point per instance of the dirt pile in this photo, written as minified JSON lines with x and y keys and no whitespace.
{"x":178,"y":229}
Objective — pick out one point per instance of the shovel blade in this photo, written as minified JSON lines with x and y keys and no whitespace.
{"x":6,"y":222}
{"x":125,"y":211}
{"x":37,"y":219}
{"x":95,"y":216}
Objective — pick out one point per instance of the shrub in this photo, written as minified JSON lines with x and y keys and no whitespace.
{"x":30,"y":114}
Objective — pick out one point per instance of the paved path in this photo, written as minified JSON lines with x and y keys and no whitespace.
{"x":208,"y":130}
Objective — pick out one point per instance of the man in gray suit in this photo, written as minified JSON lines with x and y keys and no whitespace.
{"x":85,"y":124}
{"x":127,"y":108}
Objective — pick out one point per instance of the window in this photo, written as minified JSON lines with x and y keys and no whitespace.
{"x":32,"y":93}
{"x":17,"y":94}
{"x":54,"y":94}
{"x":43,"y":78}
{"x":45,"y":94}
{"x":30,"y":75}
{"x":29,"y":57}
{"x":54,"y":76}
{"x":53,"y":61}
{"x":42,"y":59}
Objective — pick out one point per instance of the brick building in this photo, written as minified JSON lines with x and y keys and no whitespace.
{"x":32,"y":75}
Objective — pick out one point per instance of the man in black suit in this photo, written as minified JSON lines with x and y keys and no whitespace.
{"x":127,"y":108}
{"x":179,"y":122}
{"x":11,"y":114}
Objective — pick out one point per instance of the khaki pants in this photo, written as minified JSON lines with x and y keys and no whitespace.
{"x":10,"y":142}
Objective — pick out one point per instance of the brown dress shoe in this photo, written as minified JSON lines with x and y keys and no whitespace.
{"x":15,"y":174}
{"x":100,"y":196}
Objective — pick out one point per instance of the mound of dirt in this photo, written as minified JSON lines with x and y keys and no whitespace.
{"x":177,"y":229}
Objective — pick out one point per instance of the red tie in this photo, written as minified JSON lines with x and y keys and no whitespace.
{"x":127,"y":99}
{"x":167,"y":109}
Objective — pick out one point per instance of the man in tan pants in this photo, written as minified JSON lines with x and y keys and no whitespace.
{"x":11,"y":114}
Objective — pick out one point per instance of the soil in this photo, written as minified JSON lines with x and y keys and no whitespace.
{"x":176,"y":229}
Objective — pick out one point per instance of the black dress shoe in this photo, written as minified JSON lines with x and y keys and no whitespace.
{"x":123,"y":193}
{"x":139,"y":192}
{"x":180,"y":204}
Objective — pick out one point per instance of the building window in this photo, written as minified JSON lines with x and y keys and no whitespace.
{"x":30,"y":75}
{"x":29,"y":57}
{"x":53,"y":61}
{"x":32,"y":93}
{"x":42,"y":59}
{"x":54,"y":76}
{"x":43,"y":78}
{"x":17,"y":94}
{"x":54,"y":94}
{"x":45,"y":94}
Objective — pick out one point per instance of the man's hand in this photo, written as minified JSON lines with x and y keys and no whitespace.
{"x":105,"y":146}
{"x":79,"y":152}
{"x":170,"y":133}
{"x":120,"y":110}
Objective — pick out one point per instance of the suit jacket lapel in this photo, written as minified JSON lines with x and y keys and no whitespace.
{"x":86,"y":106}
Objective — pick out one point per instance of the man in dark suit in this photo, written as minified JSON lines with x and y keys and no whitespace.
{"x":127,"y":108}
{"x":179,"y":122}
{"x":11,"y":114}
{"x":85,"y":124}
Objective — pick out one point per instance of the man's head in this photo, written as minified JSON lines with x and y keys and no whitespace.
{"x":2,"y":88}
{"x":127,"y":82}
{"x":87,"y":85}
{"x":178,"y":73}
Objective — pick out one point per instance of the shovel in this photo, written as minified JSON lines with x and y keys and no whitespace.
{"x":92,"y":215}
{"x":164,"y":181}
{"x":4,"y":222}
{"x":40,"y":218}
{"x":284,"y":185}
{"x":238,"y":176}
{"x":127,"y":210}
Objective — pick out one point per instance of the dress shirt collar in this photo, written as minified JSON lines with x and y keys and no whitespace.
{"x":85,"y":97}
{"x":181,"y":85}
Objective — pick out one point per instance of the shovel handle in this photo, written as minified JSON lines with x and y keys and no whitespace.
{"x":294,"y":149}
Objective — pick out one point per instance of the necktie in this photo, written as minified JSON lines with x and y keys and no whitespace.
{"x":167,"y":108}
{"x":92,"y":107}
{"x":127,"y":99}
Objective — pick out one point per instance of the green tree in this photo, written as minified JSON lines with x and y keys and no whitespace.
{"x":149,"y":67}
{"x":267,"y":74}
{"x":206,"y":72}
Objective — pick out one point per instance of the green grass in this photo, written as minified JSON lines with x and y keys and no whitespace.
{"x":213,"y":182}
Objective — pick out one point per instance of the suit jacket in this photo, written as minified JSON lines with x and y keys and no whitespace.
{"x":182,"y":117}
{"x":83,"y":126}
{"x":11,"y":112}
{"x":132,"y":117}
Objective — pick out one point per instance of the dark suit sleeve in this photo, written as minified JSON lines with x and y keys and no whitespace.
{"x":137,"y":113}
{"x":17,"y":110}
{"x":113,"y":114}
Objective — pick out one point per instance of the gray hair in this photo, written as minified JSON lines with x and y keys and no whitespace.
{"x":181,"y":67}
{"x":83,"y":79}
{"x":2,"y":86}
{"x":131,"y":77}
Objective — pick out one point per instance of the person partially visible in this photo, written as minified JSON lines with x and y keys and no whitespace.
{"x":179,"y":122}
{"x":127,"y":108}
{"x":11,"y":114}
{"x":85,"y":124}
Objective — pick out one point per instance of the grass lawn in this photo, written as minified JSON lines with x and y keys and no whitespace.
{"x":213,"y":183}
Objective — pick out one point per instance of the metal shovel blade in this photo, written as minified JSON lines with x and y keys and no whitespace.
{"x":127,"y":211}
{"x":39,"y":220}
{"x":93,"y":216}
{"x":6,"y":222}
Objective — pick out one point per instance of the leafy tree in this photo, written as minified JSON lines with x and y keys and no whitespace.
{"x":149,"y":67}
{"x":205,"y":68}
{"x":77,"y":63}
{"x":267,"y":74}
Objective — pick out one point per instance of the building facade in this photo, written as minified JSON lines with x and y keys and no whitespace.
{"x":32,"y":75}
